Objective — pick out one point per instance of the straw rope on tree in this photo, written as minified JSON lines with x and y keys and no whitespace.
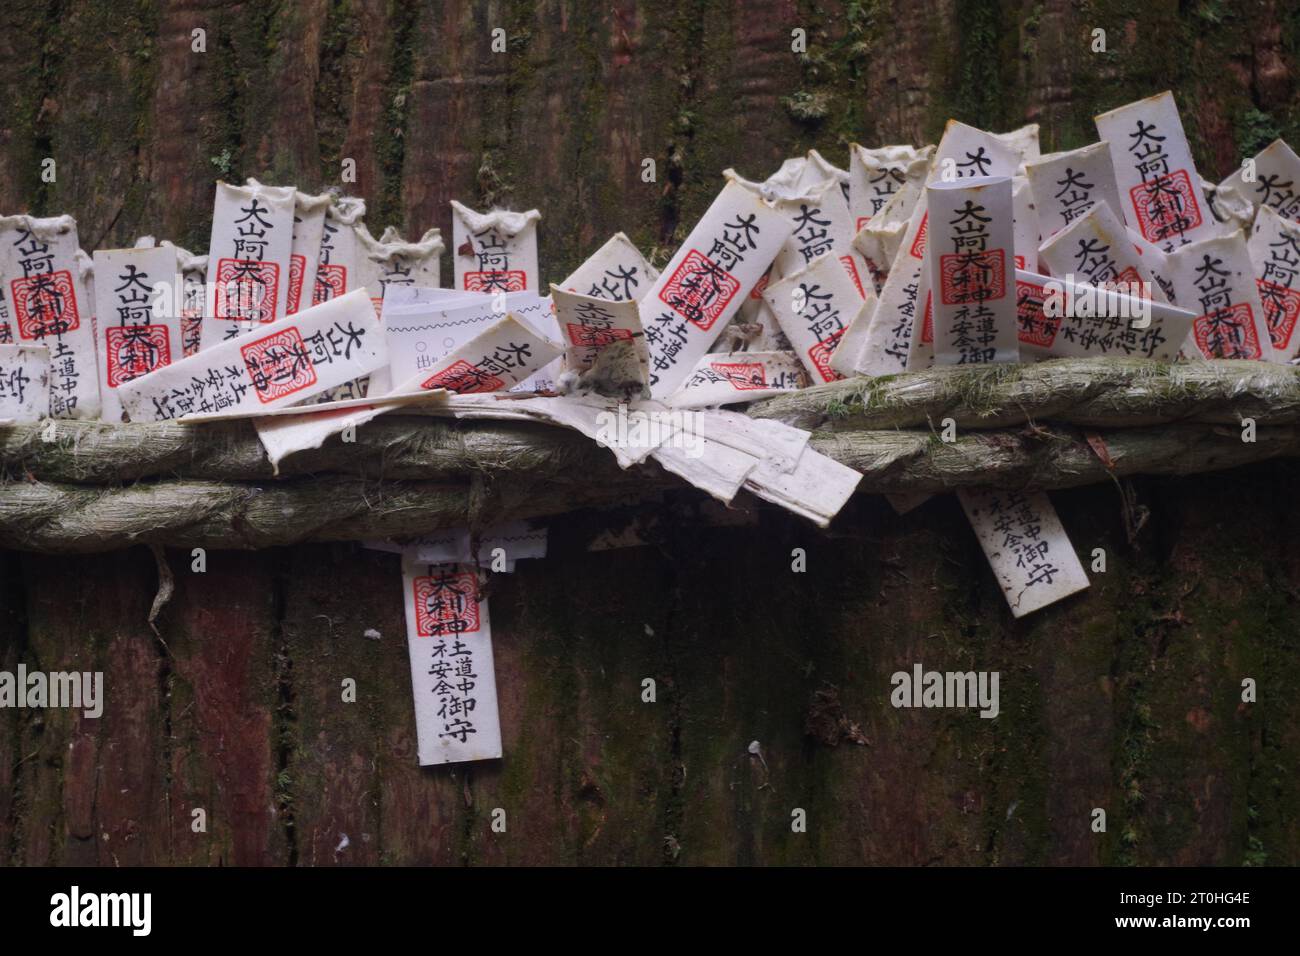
{"x":84,"y":486}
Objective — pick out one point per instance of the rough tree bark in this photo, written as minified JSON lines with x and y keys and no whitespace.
{"x":1126,"y":697}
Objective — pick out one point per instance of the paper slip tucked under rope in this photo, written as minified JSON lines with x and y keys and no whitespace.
{"x":499,"y":546}
{"x":280,"y":364}
{"x":718,"y":452}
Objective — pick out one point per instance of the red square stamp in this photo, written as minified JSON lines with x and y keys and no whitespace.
{"x":927,"y":320}
{"x":464,"y":379}
{"x":378,"y":304}
{"x":446,"y":603}
{"x":759,"y":286}
{"x":279,"y":364}
{"x":1281,"y":308}
{"x":1034,"y":325}
{"x":1228,"y":332}
{"x":587,"y":337}
{"x":331,"y":282}
{"x":512,"y":280}
{"x":1166,"y":206}
{"x":700,"y":289}
{"x":743,"y":376}
{"x":135,"y":350}
{"x":972,"y":276}
{"x":918,"y":244}
{"x":820,"y":354}
{"x":297,"y":269}
{"x":247,"y":289}
{"x":45,"y":305}
{"x":861,"y":224}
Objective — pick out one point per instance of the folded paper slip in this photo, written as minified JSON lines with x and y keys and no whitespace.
{"x":972,"y":271}
{"x":616,"y":271}
{"x":423,"y":326}
{"x":282,"y":434}
{"x":494,"y":251}
{"x":889,"y":335}
{"x":249,"y":260}
{"x":1057,"y":317}
{"x":876,"y":176}
{"x":1274,"y":249}
{"x":694,"y":298}
{"x":501,"y":356}
{"x":729,"y":378}
{"x":1066,"y":185}
{"x":1215,"y":279}
{"x":1098,"y":250}
{"x":1159,"y":187}
{"x":282,"y":364}
{"x":814,"y":306}
{"x":1274,"y":182}
{"x":138,"y":331}
{"x":590,"y":325}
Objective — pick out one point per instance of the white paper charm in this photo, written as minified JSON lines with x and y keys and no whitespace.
{"x":1275,"y":181}
{"x":139,"y":331}
{"x":727,"y":378}
{"x":1160,"y":190}
{"x":49,"y":306}
{"x":890,"y":331}
{"x":423,"y":326}
{"x":1058,"y":317}
{"x":248,"y":260}
{"x":968,"y":153}
{"x":1026,"y":547}
{"x":1097,"y":250}
{"x":590,"y":326}
{"x":702,"y":287}
{"x":1024,"y":224}
{"x":972,"y":271}
{"x":814,"y":307}
{"x":503,"y":355}
{"x":1274,"y":249}
{"x":494,"y":251}
{"x":876,"y":176}
{"x":1216,"y":281}
{"x":282,"y":364}
{"x":453,"y":680}
{"x":338,"y":257}
{"x":308,"y":227}
{"x":24,"y":382}
{"x":1067,"y":185}
{"x":616,"y":271}
{"x":391,"y":262}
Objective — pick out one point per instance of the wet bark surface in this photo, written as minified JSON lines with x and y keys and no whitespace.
{"x":139,"y":123}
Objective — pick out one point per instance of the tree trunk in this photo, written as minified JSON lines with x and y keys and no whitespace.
{"x":1127,"y":697}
